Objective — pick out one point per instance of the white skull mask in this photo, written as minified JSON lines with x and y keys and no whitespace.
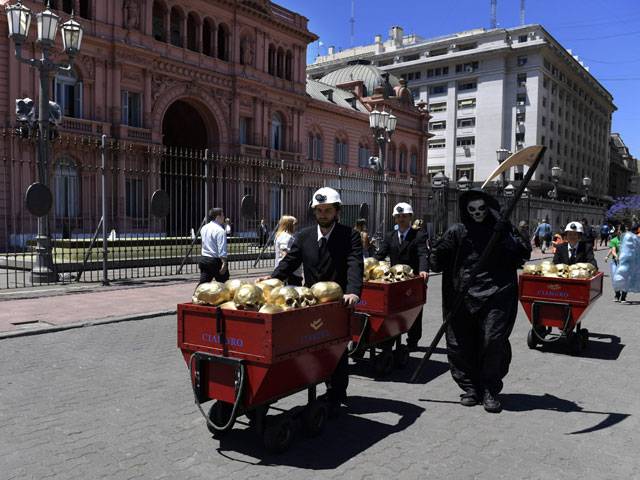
{"x":477,"y":209}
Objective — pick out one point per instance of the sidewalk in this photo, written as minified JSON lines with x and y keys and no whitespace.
{"x":73,"y":306}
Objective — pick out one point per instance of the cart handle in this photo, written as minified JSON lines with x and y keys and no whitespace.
{"x":240,"y":384}
{"x":535,"y":313}
{"x":365,"y":328}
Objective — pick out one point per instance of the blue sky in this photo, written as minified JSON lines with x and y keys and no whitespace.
{"x":605,"y":34}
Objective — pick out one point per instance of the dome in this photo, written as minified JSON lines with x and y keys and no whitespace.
{"x":370,"y":75}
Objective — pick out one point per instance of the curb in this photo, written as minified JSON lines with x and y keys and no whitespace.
{"x":88,"y":323}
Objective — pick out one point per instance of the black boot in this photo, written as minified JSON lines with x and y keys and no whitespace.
{"x":469,"y":398}
{"x":491,"y":403}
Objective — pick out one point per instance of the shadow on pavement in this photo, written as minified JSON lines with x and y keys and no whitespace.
{"x":364,"y":423}
{"x":601,"y":346}
{"x":520,"y":402}
{"x":432,"y":370}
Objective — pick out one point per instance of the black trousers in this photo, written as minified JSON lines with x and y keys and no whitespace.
{"x":210,"y":269}
{"x":415,"y":332}
{"x":478,"y":347}
{"x":337,"y":385}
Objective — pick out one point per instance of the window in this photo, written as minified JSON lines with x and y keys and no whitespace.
{"x":522,"y":61}
{"x":411,"y":58}
{"x":340,"y":154}
{"x":438,"y":52}
{"x":437,"y":89}
{"x":522,"y":38}
{"x":66,"y":186}
{"x":223,"y":42}
{"x":544,"y":101}
{"x":466,"y":122}
{"x":85,"y":9}
{"x":410,"y":76}
{"x":135,"y":198}
{"x":318,"y":148}
{"x":277,"y":141}
{"x":288,"y":65}
{"x":467,"y":46}
{"x":471,"y":85}
{"x":413,"y":164}
{"x":272,"y":60}
{"x":520,"y":118}
{"x":544,"y":121}
{"x":176,"y":27}
{"x":435,"y":144}
{"x":245,"y":130}
{"x":467,"y":103}
{"x":402,"y":161}
{"x":207,"y":32}
{"x":68,"y":94}
{"x":391,"y":160}
{"x":363,"y":156}
{"x":192,"y":30}
{"x":522,"y":79}
{"x":467,"y":67}
{"x":520,"y":137}
{"x":466,"y":141}
{"x":521,"y":99}
{"x":418,"y":75}
{"x":440,"y":125}
{"x":67,"y":6}
{"x":158,"y":24}
{"x":131,"y":106}
{"x":438,"y":107}
{"x":464,"y":170}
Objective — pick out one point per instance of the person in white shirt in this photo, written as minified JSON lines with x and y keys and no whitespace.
{"x":213,"y":263}
{"x":282,"y":244}
{"x":227,"y":226}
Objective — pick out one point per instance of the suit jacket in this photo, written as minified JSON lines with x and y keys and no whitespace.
{"x":584,"y":254}
{"x":412,"y":251}
{"x":344,"y":267}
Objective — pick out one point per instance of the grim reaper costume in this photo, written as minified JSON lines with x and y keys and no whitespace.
{"x":478,"y":346}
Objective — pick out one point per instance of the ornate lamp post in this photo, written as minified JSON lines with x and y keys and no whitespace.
{"x":382,"y":125}
{"x":556,"y":173}
{"x":440,"y":184}
{"x":19,"y":18}
{"x":586,"y":183}
{"x":464,"y":184}
{"x":501,"y":155}
{"x":526,"y":194}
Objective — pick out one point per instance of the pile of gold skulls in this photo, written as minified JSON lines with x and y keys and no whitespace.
{"x":381,"y":271}
{"x":267,"y":296}
{"x":560,"y":270}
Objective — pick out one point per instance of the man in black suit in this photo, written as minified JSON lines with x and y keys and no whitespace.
{"x":328,"y":252}
{"x":409,"y":247}
{"x":574,"y":250}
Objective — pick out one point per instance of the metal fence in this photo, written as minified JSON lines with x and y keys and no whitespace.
{"x":140,"y":244}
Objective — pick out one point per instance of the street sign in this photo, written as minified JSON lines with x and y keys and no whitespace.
{"x":38,"y":199}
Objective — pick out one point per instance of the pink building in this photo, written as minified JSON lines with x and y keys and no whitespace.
{"x":227,"y":76}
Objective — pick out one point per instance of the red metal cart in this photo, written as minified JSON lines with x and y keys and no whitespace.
{"x":558,"y":303}
{"x":248,"y":360}
{"x":385,"y":312}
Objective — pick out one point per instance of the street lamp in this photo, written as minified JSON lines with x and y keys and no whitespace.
{"x":509,"y":190}
{"x":526,"y":194}
{"x":382,"y":124}
{"x":440,"y":184}
{"x":464,"y":184}
{"x":556,"y":173}
{"x":19,"y":19}
{"x":501,"y":154}
{"x":586,"y":183}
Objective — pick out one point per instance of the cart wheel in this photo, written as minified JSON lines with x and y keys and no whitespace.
{"x":278,"y":434}
{"x":219,"y":414}
{"x":257,"y":416}
{"x":532,"y":341}
{"x":584,"y":337}
{"x":383,"y":363}
{"x":401,"y":356}
{"x":315,"y":417}
{"x":355,"y":354}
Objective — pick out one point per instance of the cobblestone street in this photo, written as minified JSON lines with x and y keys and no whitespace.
{"x":114,"y":401}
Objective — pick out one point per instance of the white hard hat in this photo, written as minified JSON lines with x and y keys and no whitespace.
{"x":402,"y":208}
{"x":574,"y":227}
{"x":324,"y":196}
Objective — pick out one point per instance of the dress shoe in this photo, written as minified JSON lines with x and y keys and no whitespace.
{"x":491,"y":403}
{"x":469,"y":398}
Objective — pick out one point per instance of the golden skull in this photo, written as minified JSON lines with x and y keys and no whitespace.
{"x":588,"y":267}
{"x":285,"y":297}
{"x":563,"y":270}
{"x":327,"y":292}
{"x":379,"y":272}
{"x":369,"y":264}
{"x":306,"y":297}
{"x":548,"y":268}
{"x":530,"y":269}
{"x":248,"y":297}
{"x":401,"y":272}
{"x":229,"y":305}
{"x":210,"y":293}
{"x":234,"y":285}
{"x":269,"y":308}
{"x":268,"y":285}
{"x":579,"y":273}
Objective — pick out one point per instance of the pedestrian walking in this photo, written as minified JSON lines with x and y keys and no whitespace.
{"x":604,"y":234}
{"x":282,"y":246}
{"x":361,"y":228}
{"x":614,"y":253}
{"x":213,"y":262}
{"x":478,"y":347}
{"x":263,"y":233}
{"x":627,"y":274}
{"x":328,"y":251}
{"x":227,"y":227}
{"x":543,"y":233}
{"x":406,"y":246}
{"x":589,"y":234}
{"x":575,"y":249}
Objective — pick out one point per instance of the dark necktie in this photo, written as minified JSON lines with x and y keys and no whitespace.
{"x":572,"y":255}
{"x":323,"y":254}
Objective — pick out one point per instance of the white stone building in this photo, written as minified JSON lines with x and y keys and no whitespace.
{"x":500,"y":88}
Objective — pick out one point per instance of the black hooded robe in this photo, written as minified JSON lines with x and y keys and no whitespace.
{"x":478,"y":345}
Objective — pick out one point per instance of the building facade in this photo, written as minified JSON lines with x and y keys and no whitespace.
{"x":226,"y":76}
{"x":499,"y":89}
{"x":623,"y":171}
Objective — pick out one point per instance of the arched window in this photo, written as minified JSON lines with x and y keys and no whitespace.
{"x":223,"y":42}
{"x":192,"y":32}
{"x":85,"y":9}
{"x":66,"y":186}
{"x":67,"y":93}
{"x":391,"y":158}
{"x":402,"y":160}
{"x":310,"y":145}
{"x":272,"y":59}
{"x":288,"y":65}
{"x":318,"y":147}
{"x":341,"y":152}
{"x":280,"y":63}
{"x":158,"y":24}
{"x":207,"y":37}
{"x":413,"y":163}
{"x":363,"y":155}
{"x":67,"y":6}
{"x":277,"y":131}
{"x":176,"y":27}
